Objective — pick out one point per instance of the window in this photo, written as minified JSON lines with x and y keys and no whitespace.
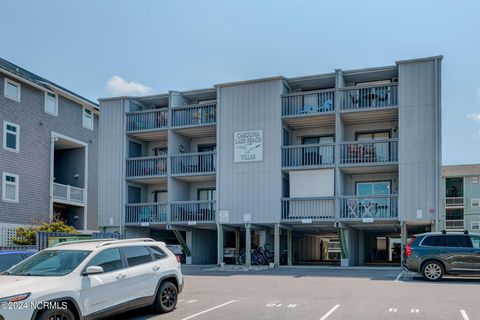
{"x":51,"y":103}
{"x":475,"y":180}
{"x":10,"y":187}
{"x":459,"y":242}
{"x":157,"y":253}
{"x":8,"y":260}
{"x":137,"y":255}
{"x":11,"y":90}
{"x":11,"y":137}
{"x":475,"y":241}
{"x":475,"y":225}
{"x":434,"y":241}
{"x":109,"y":260}
{"x":87,"y":119}
{"x":475,"y":203}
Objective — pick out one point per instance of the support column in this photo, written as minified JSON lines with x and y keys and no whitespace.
{"x":289,"y":247}
{"x":403,"y":237}
{"x":276,"y":245}
{"x":237,"y":239}
{"x":248,"y":245}
{"x":189,"y":241}
{"x":219,"y":244}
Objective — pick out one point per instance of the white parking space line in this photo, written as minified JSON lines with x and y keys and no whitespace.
{"x":464,"y":315}
{"x":414,"y":310}
{"x":211,"y":309}
{"x":392,"y":310}
{"x":399,"y":276}
{"x":326,"y":315}
{"x":191,"y":301}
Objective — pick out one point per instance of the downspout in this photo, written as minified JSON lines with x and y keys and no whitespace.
{"x":438,"y":148}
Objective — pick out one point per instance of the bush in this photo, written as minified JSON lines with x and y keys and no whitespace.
{"x":28,"y":236}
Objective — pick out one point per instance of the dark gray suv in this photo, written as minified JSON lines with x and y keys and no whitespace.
{"x":437,"y":253}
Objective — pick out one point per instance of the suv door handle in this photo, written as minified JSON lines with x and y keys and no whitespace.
{"x":156,"y":268}
{"x":121,"y":276}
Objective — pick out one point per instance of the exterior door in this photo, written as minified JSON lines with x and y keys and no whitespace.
{"x":134,"y":194}
{"x":109,"y":289}
{"x":206,"y":162}
{"x":206,"y":210}
{"x":375,"y":206}
{"x":377,"y":151}
{"x":317,"y":155}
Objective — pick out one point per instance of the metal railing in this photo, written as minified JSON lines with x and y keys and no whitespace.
{"x":147,"y":120}
{"x":308,"y":208}
{"x":145,"y":212}
{"x":305,"y":103}
{"x":193,"y":211}
{"x":194,"y":163}
{"x":454,"y":202}
{"x":69,"y":193}
{"x":308,"y":155}
{"x":371,"y":206}
{"x":361,"y":97}
{"x":375,"y":151}
{"x":456,"y":224}
{"x":193,"y":115}
{"x":146,"y":166}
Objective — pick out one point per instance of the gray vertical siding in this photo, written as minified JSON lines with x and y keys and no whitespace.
{"x":32,"y":164}
{"x":111,"y":162}
{"x":419,"y":139}
{"x":253,"y":187}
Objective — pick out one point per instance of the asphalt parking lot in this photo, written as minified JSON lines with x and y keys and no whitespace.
{"x":321,"y":294}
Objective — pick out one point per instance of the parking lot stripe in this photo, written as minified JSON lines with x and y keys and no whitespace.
{"x":326,"y":315}
{"x":211,"y":309}
{"x":464,"y":315}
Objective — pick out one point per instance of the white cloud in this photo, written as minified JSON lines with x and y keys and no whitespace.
{"x":118,"y":86}
{"x":474,"y":116}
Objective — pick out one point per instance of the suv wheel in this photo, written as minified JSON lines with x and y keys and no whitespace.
{"x":57,"y":314}
{"x":167,"y":296}
{"x":432,"y":271}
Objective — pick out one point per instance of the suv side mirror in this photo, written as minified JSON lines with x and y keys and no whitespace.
{"x":93,"y":270}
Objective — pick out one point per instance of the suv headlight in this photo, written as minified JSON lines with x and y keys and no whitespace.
{"x":15,"y":298}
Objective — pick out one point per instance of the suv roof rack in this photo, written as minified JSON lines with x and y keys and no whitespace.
{"x":83,"y":241}
{"x":444,"y":231}
{"x":465,"y":232}
{"x":125,"y":241}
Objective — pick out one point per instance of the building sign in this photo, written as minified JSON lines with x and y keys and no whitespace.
{"x":248,"y":146}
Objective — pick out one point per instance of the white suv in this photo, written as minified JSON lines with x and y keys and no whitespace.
{"x":90,"y":280}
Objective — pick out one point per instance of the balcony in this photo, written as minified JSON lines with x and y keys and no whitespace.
{"x":308,"y":156}
{"x":194,"y":164}
{"x":146,"y":169}
{"x":371,"y":207}
{"x":376,"y":103}
{"x":193,"y":212}
{"x":457,"y":224}
{"x":309,"y":109}
{"x":454,"y":202}
{"x":145,"y":213}
{"x":148,"y":125}
{"x":68,"y":194}
{"x":382,"y":153}
{"x":195,"y":120}
{"x":307,"y":210}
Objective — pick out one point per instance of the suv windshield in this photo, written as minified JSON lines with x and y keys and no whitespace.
{"x":50,"y":263}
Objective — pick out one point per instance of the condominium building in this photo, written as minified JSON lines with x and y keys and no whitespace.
{"x":334,"y":168}
{"x":461,"y":198}
{"x":48,"y":158}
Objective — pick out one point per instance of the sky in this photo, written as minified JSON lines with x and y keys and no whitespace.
{"x":102,"y":48}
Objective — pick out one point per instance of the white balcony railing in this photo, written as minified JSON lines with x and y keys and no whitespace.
{"x":194,"y":163}
{"x":146,"y":212}
{"x":363,"y":97}
{"x":457,"y":224}
{"x":308,"y":208}
{"x":371,"y":206}
{"x":68,"y":193}
{"x":454,"y":201}
{"x":308,"y":155}
{"x":193,"y":211}
{"x":194,"y":115}
{"x":147,"y":120}
{"x":375,"y":151}
{"x":308,"y":103}
{"x":144,"y":167}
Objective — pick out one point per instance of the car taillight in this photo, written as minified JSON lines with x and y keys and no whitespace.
{"x":408,"y":249}
{"x":178,"y":259}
